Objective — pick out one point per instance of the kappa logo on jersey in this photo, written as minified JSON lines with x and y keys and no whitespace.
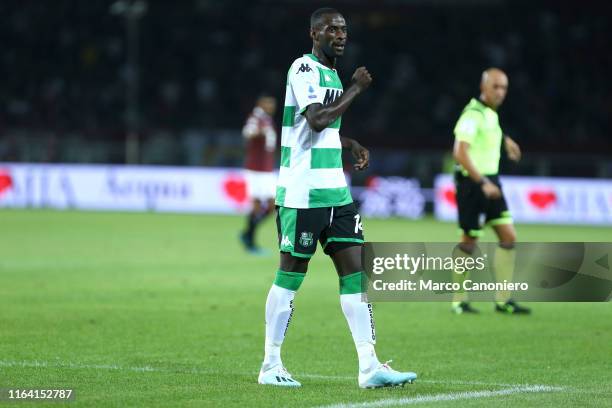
{"x":306,"y":239}
{"x":285,"y":242}
{"x":331,"y":95}
{"x":304,"y":68}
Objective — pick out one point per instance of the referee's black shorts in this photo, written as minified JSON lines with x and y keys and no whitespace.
{"x":475,"y":209}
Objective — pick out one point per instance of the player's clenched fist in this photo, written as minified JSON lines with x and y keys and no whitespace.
{"x":362,"y":78}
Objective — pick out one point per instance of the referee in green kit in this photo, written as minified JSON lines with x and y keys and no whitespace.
{"x":477,"y":150}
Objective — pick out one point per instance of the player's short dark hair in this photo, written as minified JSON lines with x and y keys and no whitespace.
{"x":315,"y":17}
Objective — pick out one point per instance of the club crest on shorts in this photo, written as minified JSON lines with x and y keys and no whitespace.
{"x":306,"y":239}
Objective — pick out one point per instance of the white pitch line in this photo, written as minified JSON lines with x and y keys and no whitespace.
{"x":51,"y":364}
{"x":456,"y":382}
{"x":193,"y":370}
{"x":60,"y":364}
{"x":45,"y":364}
{"x":446,"y":397}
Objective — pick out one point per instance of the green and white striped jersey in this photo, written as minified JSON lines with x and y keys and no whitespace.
{"x":310,"y":173}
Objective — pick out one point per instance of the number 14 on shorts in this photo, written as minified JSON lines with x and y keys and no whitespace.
{"x":358,"y":224}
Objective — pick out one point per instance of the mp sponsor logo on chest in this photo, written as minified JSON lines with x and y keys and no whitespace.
{"x":538,"y":199}
{"x":331,"y":95}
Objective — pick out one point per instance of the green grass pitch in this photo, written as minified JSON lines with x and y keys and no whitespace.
{"x":147,"y":310}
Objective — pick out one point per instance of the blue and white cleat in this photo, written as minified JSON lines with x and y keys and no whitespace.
{"x":385,"y":376}
{"x":277,"y":375}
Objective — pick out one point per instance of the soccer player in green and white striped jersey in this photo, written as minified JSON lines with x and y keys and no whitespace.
{"x":314,"y":202}
{"x":478,"y":142}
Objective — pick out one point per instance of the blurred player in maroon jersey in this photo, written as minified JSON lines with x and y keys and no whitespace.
{"x":260,"y":137}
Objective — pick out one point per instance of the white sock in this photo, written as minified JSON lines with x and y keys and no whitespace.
{"x":279,"y":308}
{"x":361,"y":322}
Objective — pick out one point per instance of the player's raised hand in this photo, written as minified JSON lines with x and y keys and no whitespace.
{"x":512,"y":148}
{"x":361,"y":155}
{"x":362,"y":78}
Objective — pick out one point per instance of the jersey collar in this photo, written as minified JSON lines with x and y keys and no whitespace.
{"x":483,"y":105}
{"x":313,"y":57}
{"x":479,"y":102}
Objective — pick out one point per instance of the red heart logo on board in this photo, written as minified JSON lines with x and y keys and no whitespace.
{"x":542,"y":199}
{"x":450,"y":196}
{"x":236,"y":189}
{"x":6,"y":181}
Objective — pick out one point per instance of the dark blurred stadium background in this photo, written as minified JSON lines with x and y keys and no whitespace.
{"x":180,"y":77}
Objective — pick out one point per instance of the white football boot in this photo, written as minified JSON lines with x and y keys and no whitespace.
{"x":277,"y":375}
{"x":385,"y":376}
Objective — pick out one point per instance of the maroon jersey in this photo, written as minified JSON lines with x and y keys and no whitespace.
{"x":260,"y":138}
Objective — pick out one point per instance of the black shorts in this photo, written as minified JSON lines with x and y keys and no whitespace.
{"x":474,"y":207}
{"x":299,"y":229}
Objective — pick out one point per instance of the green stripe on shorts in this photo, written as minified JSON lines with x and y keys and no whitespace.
{"x":337,"y":239}
{"x":288,"y":217}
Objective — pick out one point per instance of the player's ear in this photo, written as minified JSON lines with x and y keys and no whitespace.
{"x":313,"y":34}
